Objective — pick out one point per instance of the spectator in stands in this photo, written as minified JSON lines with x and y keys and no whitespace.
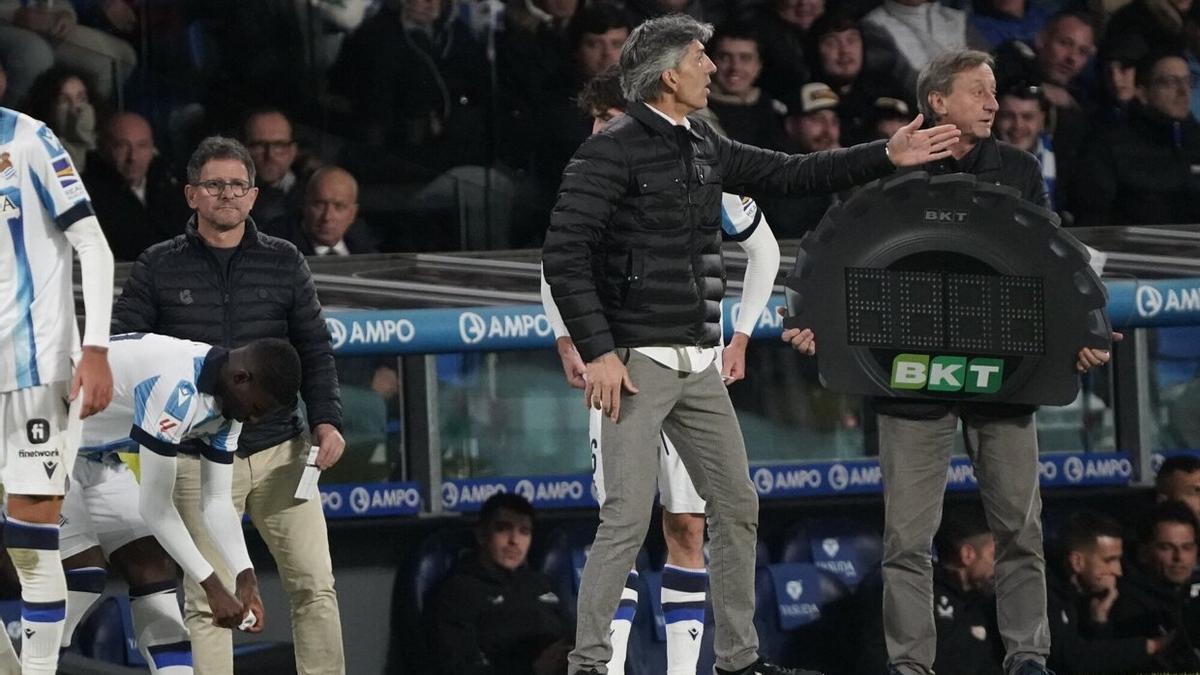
{"x":922,"y":29}
{"x":1021,"y":121}
{"x":267,"y":134}
{"x":137,"y":198}
{"x":329,"y":223}
{"x":839,"y":55}
{"x":887,"y":115}
{"x":964,"y":605}
{"x":1141,"y":172}
{"x":744,"y":111}
{"x":35,"y":36}
{"x":999,"y":21}
{"x":1080,"y":593}
{"x":66,"y":99}
{"x":641,"y":10}
{"x":596,"y":36}
{"x":1153,"y":595}
{"x":1055,"y":60}
{"x":782,"y":30}
{"x":493,"y":614}
{"x":812,"y":125}
{"x":1178,"y":480}
{"x":1159,"y":23}
{"x":1119,"y":57}
{"x":415,"y":74}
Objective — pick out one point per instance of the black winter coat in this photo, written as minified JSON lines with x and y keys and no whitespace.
{"x":485,"y":620}
{"x":177,"y":288}
{"x":633,"y":254}
{"x":1079,"y":645}
{"x":1148,"y":607}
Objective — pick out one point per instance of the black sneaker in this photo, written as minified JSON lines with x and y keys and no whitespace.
{"x":1031,"y":667}
{"x":762,"y":667}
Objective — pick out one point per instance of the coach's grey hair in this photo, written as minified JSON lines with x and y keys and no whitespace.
{"x":653,"y":47}
{"x":939,"y":75}
{"x":218,"y":147}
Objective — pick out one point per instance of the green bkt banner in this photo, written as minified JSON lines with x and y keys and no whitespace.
{"x":947,"y":373}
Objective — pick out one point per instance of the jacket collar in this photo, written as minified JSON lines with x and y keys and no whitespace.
{"x":983,"y":158}
{"x":642,"y":113}
{"x":249,"y":237}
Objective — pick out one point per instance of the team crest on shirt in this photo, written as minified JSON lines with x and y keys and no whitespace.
{"x":6,"y":167}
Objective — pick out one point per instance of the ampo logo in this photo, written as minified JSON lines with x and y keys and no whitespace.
{"x":449,"y":495}
{"x":525,"y":489}
{"x":1149,"y":300}
{"x":1073,"y":469}
{"x":839,"y":477}
{"x":337,"y":331}
{"x":471,"y":327}
{"x":360,"y":500}
{"x":763,"y":480}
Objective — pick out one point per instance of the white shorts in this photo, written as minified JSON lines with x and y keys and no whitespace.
{"x":675,"y":489}
{"x":101,"y":508}
{"x":39,"y":444}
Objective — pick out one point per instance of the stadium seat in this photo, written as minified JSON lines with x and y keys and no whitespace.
{"x":795,"y":615}
{"x":563,"y":556}
{"x":795,"y":546}
{"x":849,"y":550}
{"x":415,"y":582}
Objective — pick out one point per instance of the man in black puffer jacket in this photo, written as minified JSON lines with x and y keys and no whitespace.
{"x":633,"y":260}
{"x":224,"y":283}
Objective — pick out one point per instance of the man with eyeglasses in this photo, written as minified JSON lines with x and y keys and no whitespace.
{"x":224,"y":283}
{"x":267,"y":133}
{"x":1147,"y":169}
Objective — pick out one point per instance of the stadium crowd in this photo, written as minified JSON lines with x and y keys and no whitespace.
{"x":455,"y":136}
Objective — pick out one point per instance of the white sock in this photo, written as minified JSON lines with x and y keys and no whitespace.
{"x":33,"y":548}
{"x":683,"y":609}
{"x":622,"y":623}
{"x":158,"y":624}
{"x":85,"y":585}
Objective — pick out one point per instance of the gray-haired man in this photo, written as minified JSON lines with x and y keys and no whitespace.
{"x":916,"y":437}
{"x":633,"y":260}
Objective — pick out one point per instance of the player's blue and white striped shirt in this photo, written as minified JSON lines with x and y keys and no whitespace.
{"x":41,"y":195}
{"x":162,"y":396}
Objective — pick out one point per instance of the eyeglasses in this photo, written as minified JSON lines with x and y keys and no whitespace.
{"x":270,"y":147}
{"x":215,"y":188}
{"x":1175,"y":82}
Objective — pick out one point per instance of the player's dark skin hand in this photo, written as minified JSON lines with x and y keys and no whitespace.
{"x":247,"y":593}
{"x":227,"y":611}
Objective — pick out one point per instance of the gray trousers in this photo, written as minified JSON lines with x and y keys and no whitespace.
{"x":915,"y":457}
{"x":695,"y":412}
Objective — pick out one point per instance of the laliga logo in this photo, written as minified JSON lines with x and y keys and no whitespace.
{"x":337,"y":332}
{"x":1073,"y":469}
{"x":525,"y":489}
{"x":449,"y":495}
{"x":471,"y":327}
{"x":839,"y":477}
{"x":1149,"y":300}
{"x":763,"y":480}
{"x":360,"y":500}
{"x":795,"y":589}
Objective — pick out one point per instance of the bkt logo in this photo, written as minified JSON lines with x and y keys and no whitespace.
{"x":337,"y":332}
{"x":471,"y":327}
{"x":945,"y":216}
{"x":947,"y":373}
{"x":1073,"y":469}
